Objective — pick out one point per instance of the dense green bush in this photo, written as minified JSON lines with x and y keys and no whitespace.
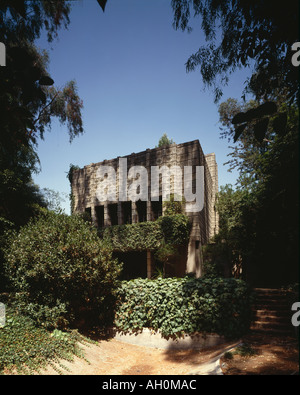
{"x":175,"y":228}
{"x":5,"y":226}
{"x":134,"y":237}
{"x":60,"y":269}
{"x":185,"y":305}
{"x":171,"y":229}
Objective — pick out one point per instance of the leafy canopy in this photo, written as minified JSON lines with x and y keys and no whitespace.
{"x":29,"y":100}
{"x":258,"y":34}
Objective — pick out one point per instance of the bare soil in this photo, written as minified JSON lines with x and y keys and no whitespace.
{"x":274,"y":355}
{"x":112,"y":357}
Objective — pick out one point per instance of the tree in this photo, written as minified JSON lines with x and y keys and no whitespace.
{"x":164,"y":141}
{"x":248,"y":150}
{"x":255,"y":34}
{"x":29,"y":100}
{"x":233,"y":247}
{"x":24,"y":20}
{"x":259,"y":220}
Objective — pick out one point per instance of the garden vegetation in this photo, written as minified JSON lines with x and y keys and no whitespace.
{"x":60,"y":271}
{"x":177,"y":306}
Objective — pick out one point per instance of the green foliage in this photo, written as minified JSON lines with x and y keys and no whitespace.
{"x":61,"y":271}
{"x":175,"y":228}
{"x":246,"y":155}
{"x":259,"y":219}
{"x":148,"y":235}
{"x":175,"y":306}
{"x":134,"y":237}
{"x":70,"y":178}
{"x":245,"y":350}
{"x":234,"y":245}
{"x":5,"y":226}
{"x":66,"y":106}
{"x":53,"y":199}
{"x":70,"y":172}
{"x":164,"y":141}
{"x":26,"y":19}
{"x":29,"y":102}
{"x":164,"y":253}
{"x":240,"y":34}
{"x":26,"y":348}
{"x":173,"y":206}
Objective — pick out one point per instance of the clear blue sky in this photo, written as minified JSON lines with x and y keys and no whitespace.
{"x":129,"y":65}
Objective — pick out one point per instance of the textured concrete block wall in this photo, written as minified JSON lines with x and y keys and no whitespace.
{"x":213,"y":169}
{"x":204,"y":223}
{"x":85,"y":183}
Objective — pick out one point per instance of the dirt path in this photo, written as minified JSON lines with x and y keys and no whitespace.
{"x":112,"y":357}
{"x":274,"y":355}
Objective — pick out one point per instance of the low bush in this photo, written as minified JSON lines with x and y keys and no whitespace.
{"x":175,"y":306}
{"x":60,"y":271}
{"x":26,"y":348}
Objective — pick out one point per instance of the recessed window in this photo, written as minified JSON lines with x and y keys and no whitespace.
{"x":156,"y":208}
{"x":141,"y":208}
{"x":113,"y":213}
{"x":88,"y":213}
{"x":126,"y":212}
{"x":100,"y":216}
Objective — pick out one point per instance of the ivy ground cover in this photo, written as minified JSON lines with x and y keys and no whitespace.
{"x":177,"y":306}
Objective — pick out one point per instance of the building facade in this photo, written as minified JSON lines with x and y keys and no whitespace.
{"x":114,"y":205}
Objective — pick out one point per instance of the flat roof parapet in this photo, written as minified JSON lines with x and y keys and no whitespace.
{"x":180,"y":145}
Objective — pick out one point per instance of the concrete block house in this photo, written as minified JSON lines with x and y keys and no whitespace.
{"x":115,"y":206}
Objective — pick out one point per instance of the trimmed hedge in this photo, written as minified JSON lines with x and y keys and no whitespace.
{"x":184,"y":305}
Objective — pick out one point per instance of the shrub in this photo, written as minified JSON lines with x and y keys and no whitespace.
{"x":185,"y":305}
{"x":60,"y":270}
{"x":26,"y":348}
{"x":5,"y":226}
{"x":175,"y":228}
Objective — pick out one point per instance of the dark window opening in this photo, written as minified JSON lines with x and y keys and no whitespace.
{"x":113,"y":213}
{"x":88,"y":214}
{"x":134,"y":264}
{"x":141,"y":208}
{"x":100,"y":216}
{"x":197,"y":244}
{"x":156,"y":208}
{"x":126,"y":212}
{"x":194,"y":181}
